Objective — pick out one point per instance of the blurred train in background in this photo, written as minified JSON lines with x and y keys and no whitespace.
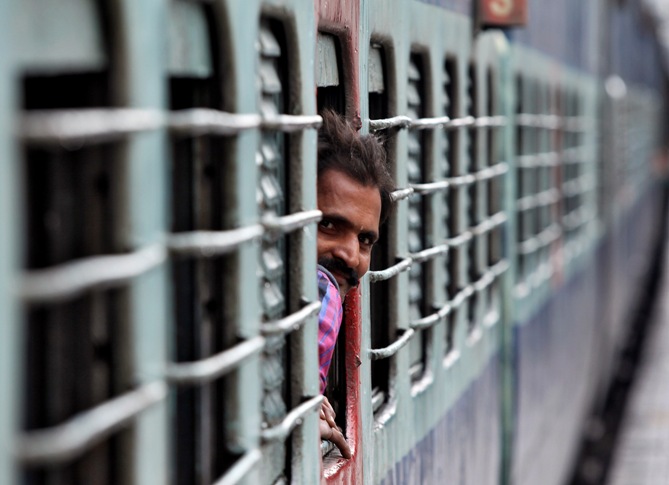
{"x":158,"y":242}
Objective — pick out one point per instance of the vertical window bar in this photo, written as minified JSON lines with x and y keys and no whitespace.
{"x":495,"y":194}
{"x":449,"y":169}
{"x":534,"y":142}
{"x":570,"y":169}
{"x":381,"y":256}
{"x":542,"y":220}
{"x":272,"y":193}
{"x":199,"y":182}
{"x":418,"y":282}
{"x":474,"y":197}
{"x":522,"y":232}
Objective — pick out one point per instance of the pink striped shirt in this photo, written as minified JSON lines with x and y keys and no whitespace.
{"x":329,"y":323}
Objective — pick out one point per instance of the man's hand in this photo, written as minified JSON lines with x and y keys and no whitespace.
{"x":330,"y":431}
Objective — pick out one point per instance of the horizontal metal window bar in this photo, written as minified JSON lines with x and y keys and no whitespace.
{"x":428,"y":321}
{"x":294,"y":418}
{"x":500,"y":268}
{"x":486,"y":279}
{"x":550,"y":122}
{"x":578,"y":218}
{"x":462,"y":296}
{"x":277,"y":226}
{"x":392,"y":349}
{"x":574,"y":155}
{"x":203,"y":121}
{"x":387,"y":123}
{"x":492,"y":121}
{"x":213,"y":243}
{"x":462,"y":180}
{"x":430,"y":123}
{"x":436,"y":122}
{"x":460,"y":239}
{"x":540,"y":199}
{"x":401,"y":194}
{"x":290,"y":123}
{"x":543,"y":239}
{"x":378,"y":398}
{"x":211,"y":368}
{"x":87,"y":125}
{"x":492,"y":171}
{"x":460,"y":122}
{"x":489,"y":224}
{"x":482,"y":175}
{"x":242,"y":467}
{"x":69,"y":440}
{"x":72,"y":278}
{"x":292,"y":322}
{"x":581,"y":185}
{"x":576,"y":123}
{"x":550,"y":159}
{"x":386,"y":274}
{"x":430,"y":253}
{"x":431,"y":187}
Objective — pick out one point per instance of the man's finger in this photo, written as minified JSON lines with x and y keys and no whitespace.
{"x":340,"y":442}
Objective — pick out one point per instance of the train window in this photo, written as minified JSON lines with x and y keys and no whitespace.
{"x":330,"y":95}
{"x":75,"y":359}
{"x":419,"y":282}
{"x":200,"y":284}
{"x":329,"y":74}
{"x":575,"y":181}
{"x":526,"y":179}
{"x":475,"y":208}
{"x":382,"y":254}
{"x":450,"y":162}
{"x":495,"y":193}
{"x":542,"y":180}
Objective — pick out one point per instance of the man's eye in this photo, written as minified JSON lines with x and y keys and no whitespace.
{"x":366,"y":241}
{"x":326,"y":224}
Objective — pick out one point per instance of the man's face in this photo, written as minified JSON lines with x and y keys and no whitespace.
{"x":349,"y":228}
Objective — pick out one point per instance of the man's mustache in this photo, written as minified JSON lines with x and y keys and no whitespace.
{"x":337,"y":265}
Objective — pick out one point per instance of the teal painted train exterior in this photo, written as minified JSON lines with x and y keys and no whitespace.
{"x":158,"y":251}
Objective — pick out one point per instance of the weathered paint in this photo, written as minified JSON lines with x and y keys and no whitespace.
{"x":342,"y":19}
{"x":340,"y":470}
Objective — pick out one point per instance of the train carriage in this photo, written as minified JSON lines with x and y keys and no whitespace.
{"x":158,"y":258}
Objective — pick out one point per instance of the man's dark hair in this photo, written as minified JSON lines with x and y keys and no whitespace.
{"x":361,"y":157}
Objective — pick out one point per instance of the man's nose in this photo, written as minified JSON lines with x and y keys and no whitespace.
{"x":348,"y":250}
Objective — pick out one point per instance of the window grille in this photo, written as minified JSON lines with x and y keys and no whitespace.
{"x":419,"y":287}
{"x":75,"y":337}
{"x":201,"y":281}
{"x":381,"y":256}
